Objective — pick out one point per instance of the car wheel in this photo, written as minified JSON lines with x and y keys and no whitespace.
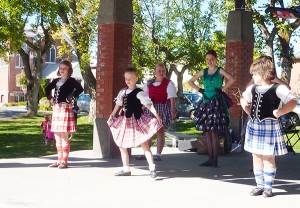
{"x":192,"y":114}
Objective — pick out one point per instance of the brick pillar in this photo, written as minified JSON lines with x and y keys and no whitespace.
{"x":239,"y":57}
{"x":115,"y":22}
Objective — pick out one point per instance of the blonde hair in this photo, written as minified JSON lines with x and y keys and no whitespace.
{"x":132,"y":70}
{"x":264,"y":67}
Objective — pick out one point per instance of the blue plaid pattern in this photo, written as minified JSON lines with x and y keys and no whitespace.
{"x":265,"y":137}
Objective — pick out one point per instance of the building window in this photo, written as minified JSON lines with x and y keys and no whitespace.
{"x":19,"y":62}
{"x":51,"y":55}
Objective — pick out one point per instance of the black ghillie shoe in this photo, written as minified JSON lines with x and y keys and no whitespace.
{"x":257,"y":191}
{"x":156,"y":158}
{"x":123,"y":173}
{"x":207,"y":163}
{"x":140,"y":157}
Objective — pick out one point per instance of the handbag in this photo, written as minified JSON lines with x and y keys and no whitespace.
{"x":228,"y":100}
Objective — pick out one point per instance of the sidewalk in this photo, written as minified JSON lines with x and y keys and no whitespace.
{"x":90,"y":182}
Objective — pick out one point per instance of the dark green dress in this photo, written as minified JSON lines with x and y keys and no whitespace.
{"x":211,"y":113}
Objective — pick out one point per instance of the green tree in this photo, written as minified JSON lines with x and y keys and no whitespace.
{"x":276,"y":32}
{"x":18,"y":18}
{"x":176,"y":33}
{"x":79,"y":19}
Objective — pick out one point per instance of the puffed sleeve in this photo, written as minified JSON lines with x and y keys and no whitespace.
{"x":119,"y":98}
{"x":284,"y":94}
{"x":247,"y":94}
{"x":171,"y":90}
{"x":144,"y":98}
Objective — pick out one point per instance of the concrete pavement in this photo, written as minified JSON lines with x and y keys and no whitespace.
{"x":90,"y":182}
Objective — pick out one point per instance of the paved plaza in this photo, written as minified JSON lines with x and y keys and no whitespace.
{"x":90,"y":182}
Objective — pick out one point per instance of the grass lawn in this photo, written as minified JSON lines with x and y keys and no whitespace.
{"x":22,"y":137}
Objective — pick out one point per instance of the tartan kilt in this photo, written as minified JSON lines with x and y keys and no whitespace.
{"x":131,"y":132}
{"x":63,"y":118}
{"x":164,"y":111}
{"x":264,"y":137}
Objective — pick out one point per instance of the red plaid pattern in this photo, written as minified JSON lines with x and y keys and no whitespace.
{"x":131,"y":132}
{"x":63,"y":118}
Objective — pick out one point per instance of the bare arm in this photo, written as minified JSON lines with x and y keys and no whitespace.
{"x":245,"y":105}
{"x":195,"y":78}
{"x":230,"y":79}
{"x":115,"y":111}
{"x":173,"y":108}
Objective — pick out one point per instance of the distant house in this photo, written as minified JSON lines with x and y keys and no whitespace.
{"x":11,"y":91}
{"x":295,"y":76}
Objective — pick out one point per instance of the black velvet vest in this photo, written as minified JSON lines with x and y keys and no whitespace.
{"x":132,"y":104}
{"x":263,"y":104}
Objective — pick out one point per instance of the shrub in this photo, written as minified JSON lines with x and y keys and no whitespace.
{"x":45,"y":107}
{"x":44,"y":100}
{"x":22,"y":103}
{"x":11,"y":104}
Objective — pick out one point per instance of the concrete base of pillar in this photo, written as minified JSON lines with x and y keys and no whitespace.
{"x":101,"y":138}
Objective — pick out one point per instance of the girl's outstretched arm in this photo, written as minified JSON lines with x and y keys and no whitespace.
{"x":115,"y":111}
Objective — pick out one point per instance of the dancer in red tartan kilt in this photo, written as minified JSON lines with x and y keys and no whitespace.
{"x":63,"y":121}
{"x":132,"y":127}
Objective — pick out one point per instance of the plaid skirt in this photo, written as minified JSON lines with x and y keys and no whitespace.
{"x":131,"y":132}
{"x":164,"y":111}
{"x":264,"y":138}
{"x":63,"y":118}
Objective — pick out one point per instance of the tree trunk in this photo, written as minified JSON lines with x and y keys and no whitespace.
{"x":179,"y":76}
{"x":90,"y":81}
{"x":286,"y":61}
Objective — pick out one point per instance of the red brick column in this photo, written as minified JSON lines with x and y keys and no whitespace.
{"x":239,"y":57}
{"x":113,"y":58}
{"x":115,"y":22}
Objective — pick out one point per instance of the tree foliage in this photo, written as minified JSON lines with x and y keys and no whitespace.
{"x":78,"y":34}
{"x":26,"y":28}
{"x":276,"y":32}
{"x":177,"y":33}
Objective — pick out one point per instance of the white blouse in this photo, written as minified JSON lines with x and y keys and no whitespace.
{"x":171,"y":89}
{"x":282,"y":92}
{"x":142,"y":96}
